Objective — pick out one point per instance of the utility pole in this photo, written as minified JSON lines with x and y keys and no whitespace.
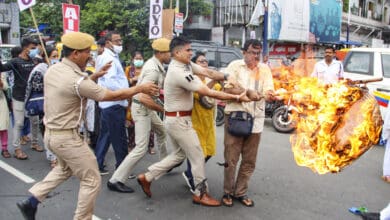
{"x":349,"y":19}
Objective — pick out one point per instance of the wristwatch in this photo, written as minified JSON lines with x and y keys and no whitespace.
{"x":225,"y":76}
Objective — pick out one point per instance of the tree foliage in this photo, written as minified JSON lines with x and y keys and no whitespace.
{"x":345,"y":5}
{"x":129,"y":17}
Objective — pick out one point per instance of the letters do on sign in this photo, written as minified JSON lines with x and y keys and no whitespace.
{"x":70,"y":17}
{"x":155,"y":19}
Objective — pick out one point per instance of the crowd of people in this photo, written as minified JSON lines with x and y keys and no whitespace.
{"x":135,"y":108}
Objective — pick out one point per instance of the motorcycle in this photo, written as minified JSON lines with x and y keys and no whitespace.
{"x":279,"y":112}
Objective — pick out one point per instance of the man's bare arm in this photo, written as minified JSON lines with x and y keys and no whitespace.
{"x":205,"y":91}
{"x":148,"y":101}
{"x":122,"y":94}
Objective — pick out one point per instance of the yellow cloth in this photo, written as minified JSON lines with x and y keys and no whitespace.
{"x":128,"y":76}
{"x":204,"y":125}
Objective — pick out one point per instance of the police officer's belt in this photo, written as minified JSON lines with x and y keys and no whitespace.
{"x":178,"y":114}
{"x":62,"y":131}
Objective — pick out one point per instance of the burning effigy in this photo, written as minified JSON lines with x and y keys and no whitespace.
{"x":335,"y":124}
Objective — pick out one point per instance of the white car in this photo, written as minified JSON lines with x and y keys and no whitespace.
{"x":371,"y":63}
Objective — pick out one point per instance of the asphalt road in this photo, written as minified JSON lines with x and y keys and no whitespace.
{"x":280,"y":189}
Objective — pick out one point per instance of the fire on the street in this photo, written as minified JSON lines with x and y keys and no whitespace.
{"x":335,"y":124}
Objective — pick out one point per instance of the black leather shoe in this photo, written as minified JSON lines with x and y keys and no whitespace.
{"x":119,"y":187}
{"x":27,"y":210}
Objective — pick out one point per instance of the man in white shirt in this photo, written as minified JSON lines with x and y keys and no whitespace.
{"x":328,"y":70}
{"x":113,"y":113}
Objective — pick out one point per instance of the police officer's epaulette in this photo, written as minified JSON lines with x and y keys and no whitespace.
{"x":189,"y":78}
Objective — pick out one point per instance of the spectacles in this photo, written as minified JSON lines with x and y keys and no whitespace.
{"x":117,"y":41}
{"x":203,"y":61}
{"x":254,"y":53}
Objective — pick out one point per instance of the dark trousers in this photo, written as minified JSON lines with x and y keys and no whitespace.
{"x":112,"y":130}
{"x":189,"y":172}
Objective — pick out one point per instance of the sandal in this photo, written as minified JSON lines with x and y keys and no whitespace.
{"x":5,"y":154}
{"x":386,"y":178}
{"x":53,"y":163}
{"x":245,"y":200}
{"x":22,"y":141}
{"x":36,"y":147}
{"x":227,"y":200}
{"x":26,"y":138}
{"x":20,"y":155}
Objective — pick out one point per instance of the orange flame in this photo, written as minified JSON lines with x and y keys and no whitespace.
{"x":336,"y":124}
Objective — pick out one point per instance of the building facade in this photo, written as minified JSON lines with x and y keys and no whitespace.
{"x":367,"y":23}
{"x":9,"y":23}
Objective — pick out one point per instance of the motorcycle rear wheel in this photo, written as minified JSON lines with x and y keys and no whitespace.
{"x":280,"y":122}
{"x":220,"y":119}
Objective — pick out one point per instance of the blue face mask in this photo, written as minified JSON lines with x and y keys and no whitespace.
{"x":138,"y":63}
{"x":54,"y":61}
{"x":33,"y":53}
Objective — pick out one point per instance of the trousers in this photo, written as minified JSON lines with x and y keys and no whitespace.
{"x":144,"y":119}
{"x":185,"y":143}
{"x":75,"y":158}
{"x":112,"y":130}
{"x":247,"y":148}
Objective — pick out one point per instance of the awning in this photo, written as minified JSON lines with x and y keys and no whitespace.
{"x":353,"y":43}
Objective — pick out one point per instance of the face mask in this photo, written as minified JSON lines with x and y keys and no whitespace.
{"x":54,"y":61}
{"x":33,"y":53}
{"x":117,"y":49}
{"x":138,"y":63}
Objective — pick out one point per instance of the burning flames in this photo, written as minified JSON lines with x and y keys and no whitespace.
{"x":335,"y":124}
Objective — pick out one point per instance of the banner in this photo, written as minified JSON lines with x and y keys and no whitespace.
{"x":155,"y":19}
{"x":24,"y":4}
{"x":179,"y":22}
{"x":70,"y":17}
{"x":257,"y":12}
{"x":325,"y":20}
{"x":314,"y":21}
{"x":288,"y":20}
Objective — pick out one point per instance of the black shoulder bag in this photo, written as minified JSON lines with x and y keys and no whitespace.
{"x":240,"y":123}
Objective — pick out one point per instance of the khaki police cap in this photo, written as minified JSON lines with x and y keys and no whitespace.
{"x":161,"y":44}
{"x":77,"y":40}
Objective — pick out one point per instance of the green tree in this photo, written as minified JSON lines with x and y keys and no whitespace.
{"x":345,"y":5}
{"x":129,"y":17}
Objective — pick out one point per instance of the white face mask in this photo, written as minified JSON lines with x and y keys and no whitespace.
{"x":117,"y":49}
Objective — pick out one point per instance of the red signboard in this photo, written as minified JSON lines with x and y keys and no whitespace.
{"x":70,"y":17}
{"x":283,"y":49}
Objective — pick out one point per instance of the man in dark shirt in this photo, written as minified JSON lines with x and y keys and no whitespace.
{"x":21,"y":67}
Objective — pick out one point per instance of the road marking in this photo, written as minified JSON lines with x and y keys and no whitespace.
{"x":16,"y":172}
{"x":25,"y":178}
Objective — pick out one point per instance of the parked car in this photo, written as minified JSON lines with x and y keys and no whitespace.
{"x":219,"y":56}
{"x":370,"y":63}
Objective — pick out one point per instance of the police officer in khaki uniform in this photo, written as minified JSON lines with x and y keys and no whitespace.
{"x":143,"y":111}
{"x":66,"y":89}
{"x":179,"y":85}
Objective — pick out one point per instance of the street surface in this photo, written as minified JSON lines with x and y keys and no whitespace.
{"x":280,"y":189}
